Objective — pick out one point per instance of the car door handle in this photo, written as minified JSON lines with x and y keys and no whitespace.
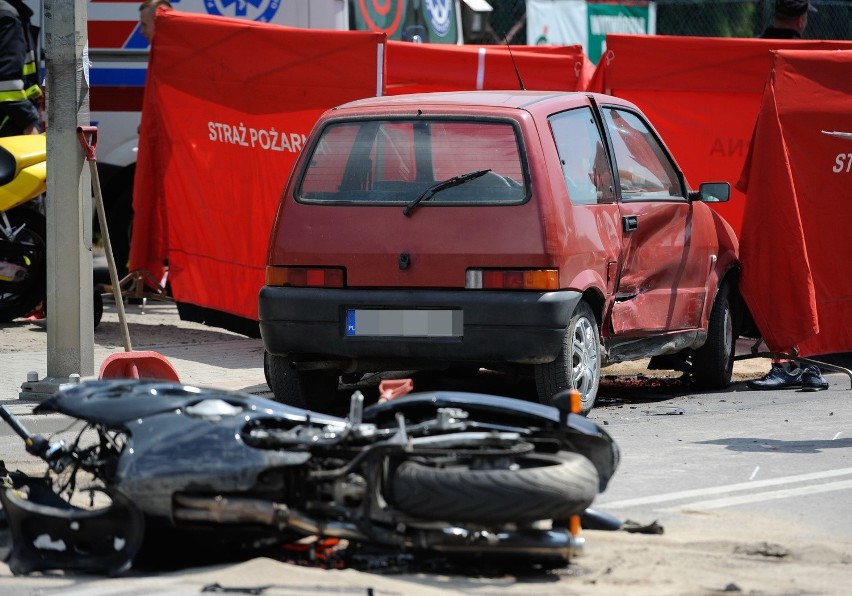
{"x":630,"y":223}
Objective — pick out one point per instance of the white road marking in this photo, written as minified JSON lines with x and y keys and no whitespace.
{"x":720,"y":490}
{"x":753,"y":474}
{"x":799,"y":491}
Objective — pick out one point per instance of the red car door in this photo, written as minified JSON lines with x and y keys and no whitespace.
{"x":666,"y":252}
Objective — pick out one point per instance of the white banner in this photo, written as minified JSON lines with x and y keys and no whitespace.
{"x":557,"y":23}
{"x":569,"y":22}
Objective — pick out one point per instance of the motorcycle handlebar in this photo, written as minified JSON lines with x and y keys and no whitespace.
{"x":16,"y":425}
{"x":35,"y":444}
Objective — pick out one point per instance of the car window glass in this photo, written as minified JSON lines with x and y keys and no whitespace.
{"x":394,"y":161}
{"x":585,"y":166}
{"x":644,"y":170}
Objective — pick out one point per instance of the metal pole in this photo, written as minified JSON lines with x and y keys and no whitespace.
{"x":70,"y":318}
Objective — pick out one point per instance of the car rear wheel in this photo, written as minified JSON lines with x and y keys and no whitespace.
{"x":713,"y":363}
{"x":312,"y":390}
{"x":578,"y":365}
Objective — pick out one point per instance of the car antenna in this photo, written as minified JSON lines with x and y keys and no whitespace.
{"x":517,"y":72}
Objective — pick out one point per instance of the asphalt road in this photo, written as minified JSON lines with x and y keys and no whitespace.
{"x":737,"y":465}
{"x":785,"y":453}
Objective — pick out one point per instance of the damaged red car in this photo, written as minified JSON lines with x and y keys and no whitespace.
{"x":548,"y":233}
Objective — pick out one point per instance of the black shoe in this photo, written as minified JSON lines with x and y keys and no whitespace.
{"x":812,"y":379}
{"x":778,"y":377}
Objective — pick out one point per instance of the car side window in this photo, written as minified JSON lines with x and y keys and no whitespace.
{"x":585,"y":167}
{"x":645,"y":171}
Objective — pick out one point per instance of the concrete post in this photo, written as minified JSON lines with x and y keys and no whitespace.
{"x":70,"y":318}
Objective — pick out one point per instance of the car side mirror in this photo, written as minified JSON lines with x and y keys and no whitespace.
{"x":712,"y":192}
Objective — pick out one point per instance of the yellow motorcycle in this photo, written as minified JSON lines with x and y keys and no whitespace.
{"x":23,"y":228}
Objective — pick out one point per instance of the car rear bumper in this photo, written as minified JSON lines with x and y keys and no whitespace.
{"x":493,"y":326}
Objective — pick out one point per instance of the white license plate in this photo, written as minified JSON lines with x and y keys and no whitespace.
{"x":404,"y":323}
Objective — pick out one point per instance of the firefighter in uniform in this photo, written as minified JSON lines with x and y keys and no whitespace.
{"x":19,"y":88}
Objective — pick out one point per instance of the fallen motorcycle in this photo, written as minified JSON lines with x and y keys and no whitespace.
{"x":161,"y":467}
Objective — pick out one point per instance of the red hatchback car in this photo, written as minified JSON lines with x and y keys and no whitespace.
{"x":542,"y":231}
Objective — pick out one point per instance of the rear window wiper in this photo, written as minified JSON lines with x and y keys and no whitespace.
{"x":439,"y":186}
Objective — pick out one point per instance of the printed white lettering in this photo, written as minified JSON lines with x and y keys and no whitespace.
{"x":268,"y":140}
{"x":840,"y":166}
{"x":603,"y":24}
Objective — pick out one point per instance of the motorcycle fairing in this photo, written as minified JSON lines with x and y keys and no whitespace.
{"x":23,"y":169}
{"x":171,"y":452}
{"x":49,"y":533}
{"x":116,"y":402}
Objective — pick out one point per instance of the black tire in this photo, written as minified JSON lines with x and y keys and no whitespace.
{"x":542,"y":487}
{"x":578,"y":365}
{"x":713,"y":363}
{"x":98,"y":305}
{"x":119,"y":217}
{"x":17,"y":298}
{"x":312,"y":390}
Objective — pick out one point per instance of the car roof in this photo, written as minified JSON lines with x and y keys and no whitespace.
{"x":545,"y":100}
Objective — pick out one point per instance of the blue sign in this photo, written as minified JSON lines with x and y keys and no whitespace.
{"x":256,"y":10}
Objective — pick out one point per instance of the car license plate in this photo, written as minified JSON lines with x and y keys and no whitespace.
{"x":404,"y":323}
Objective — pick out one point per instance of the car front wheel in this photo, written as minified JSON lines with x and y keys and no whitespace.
{"x":713,"y":363}
{"x":578,"y":365}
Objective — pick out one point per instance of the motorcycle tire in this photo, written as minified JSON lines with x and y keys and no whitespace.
{"x":541,"y":487}
{"x":17,"y":298}
{"x":97,"y":305}
{"x":119,"y":217}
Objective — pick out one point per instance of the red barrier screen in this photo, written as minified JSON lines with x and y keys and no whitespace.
{"x":795,"y":243}
{"x":228,"y":105}
{"x":416,"y":68}
{"x":702,"y":94}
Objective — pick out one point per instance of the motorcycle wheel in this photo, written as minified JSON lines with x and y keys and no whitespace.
{"x":119,"y":216}
{"x":18,"y":297}
{"x":539,"y":487}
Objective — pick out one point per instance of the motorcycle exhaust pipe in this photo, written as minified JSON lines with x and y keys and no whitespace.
{"x":234,"y":510}
{"x":239,"y":510}
{"x":535,"y":543}
{"x":230,"y":510}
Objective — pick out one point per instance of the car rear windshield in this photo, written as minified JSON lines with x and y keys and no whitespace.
{"x":397,"y":161}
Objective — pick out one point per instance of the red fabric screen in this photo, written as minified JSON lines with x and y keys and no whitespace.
{"x":228,"y":104}
{"x":702,"y":94}
{"x":795,"y":243}
{"x":415,"y":68}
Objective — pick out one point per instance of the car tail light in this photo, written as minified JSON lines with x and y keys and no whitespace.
{"x":305,"y":277}
{"x":512,"y":279}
